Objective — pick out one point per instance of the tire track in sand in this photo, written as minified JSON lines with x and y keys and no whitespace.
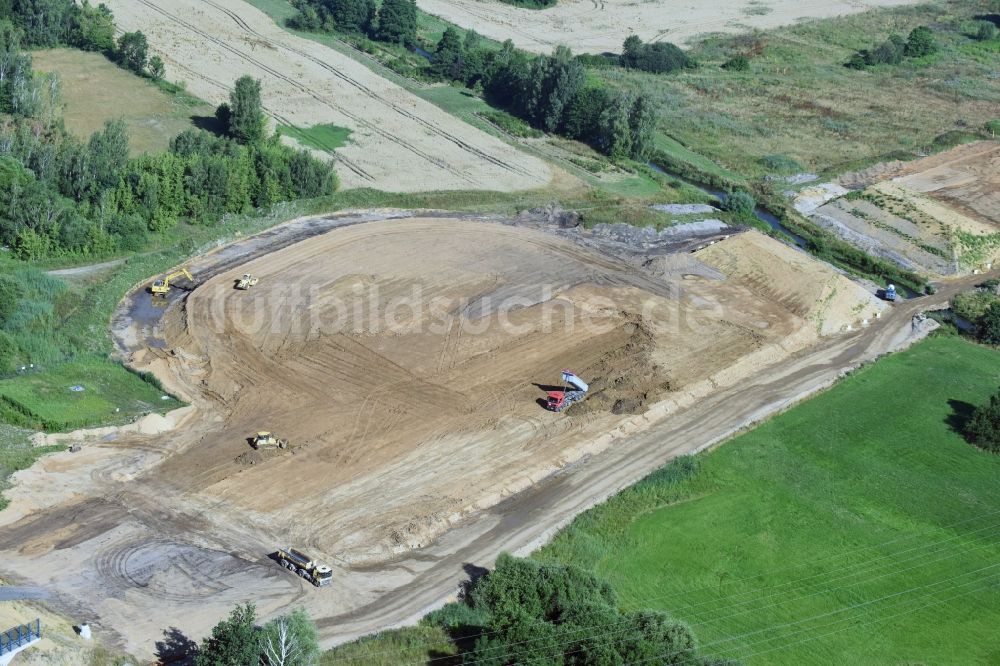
{"x":373,"y":95}
{"x":325,"y":102}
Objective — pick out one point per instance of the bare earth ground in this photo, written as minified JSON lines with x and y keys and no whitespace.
{"x":398,"y":143}
{"x":399,"y":436}
{"x":949,"y":201}
{"x":596,"y":26}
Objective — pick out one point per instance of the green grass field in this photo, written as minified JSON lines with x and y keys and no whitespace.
{"x":857,"y":528}
{"x":46,"y":399}
{"x":321,"y":137}
{"x":90,"y":80}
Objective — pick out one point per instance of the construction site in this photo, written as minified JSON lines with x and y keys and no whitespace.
{"x":938,"y":215}
{"x":350,"y":398}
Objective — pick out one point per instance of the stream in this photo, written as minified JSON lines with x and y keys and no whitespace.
{"x":762,"y":214}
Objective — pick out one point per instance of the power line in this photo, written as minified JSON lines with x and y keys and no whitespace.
{"x":880,"y":619}
{"x":730,"y":597}
{"x":827,"y":614}
{"x":863,"y":581}
{"x":507,"y":647}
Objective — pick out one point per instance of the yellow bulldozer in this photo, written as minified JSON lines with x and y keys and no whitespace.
{"x":246,"y":281}
{"x":265,"y":439}
{"x":162,"y":286}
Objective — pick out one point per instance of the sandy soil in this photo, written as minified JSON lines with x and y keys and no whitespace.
{"x":398,"y":142}
{"x":966,"y":179}
{"x":596,"y":26}
{"x":399,"y":434}
{"x":949,"y":201}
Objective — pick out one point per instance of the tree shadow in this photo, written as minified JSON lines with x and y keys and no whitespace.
{"x":176,"y":648}
{"x":474,"y":572}
{"x":992,"y":18}
{"x":209,"y":124}
{"x":961,"y":413}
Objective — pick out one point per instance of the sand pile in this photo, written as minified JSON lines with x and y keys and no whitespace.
{"x":781,"y":274}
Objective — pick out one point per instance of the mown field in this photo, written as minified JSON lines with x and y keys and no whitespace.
{"x":857,"y":528}
{"x":321,"y":137}
{"x":95,"y":90}
{"x":799,"y":101}
{"x":83,"y":392}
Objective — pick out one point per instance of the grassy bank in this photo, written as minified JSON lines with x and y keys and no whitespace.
{"x":798,"y":108}
{"x":858,"y":527}
{"x":84,"y":392}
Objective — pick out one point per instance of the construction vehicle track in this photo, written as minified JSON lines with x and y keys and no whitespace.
{"x":412,"y":454}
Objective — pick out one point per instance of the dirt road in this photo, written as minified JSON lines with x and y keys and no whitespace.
{"x":399,"y":142}
{"x":595,"y":26}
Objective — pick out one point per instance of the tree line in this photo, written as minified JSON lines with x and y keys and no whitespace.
{"x":394,"y":22}
{"x":526,"y":612}
{"x":522,"y":612}
{"x":550,"y":92}
{"x":48,"y":23}
{"x":63,"y":196}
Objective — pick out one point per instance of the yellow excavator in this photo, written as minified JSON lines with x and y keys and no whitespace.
{"x":162,"y":286}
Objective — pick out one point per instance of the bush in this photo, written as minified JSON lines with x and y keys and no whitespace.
{"x":456,"y":616}
{"x":972,"y":305}
{"x":658,"y":58}
{"x":133,"y":51}
{"x":157,"y":70}
{"x":920,"y":42}
{"x":738,"y":63}
{"x":740,"y":203}
{"x":993,"y":127}
{"x":986,"y":31}
{"x":397,"y":22}
{"x":511,"y":124}
{"x":545,"y":614}
{"x":988,"y":326}
{"x":983,"y":429}
{"x":781,"y":163}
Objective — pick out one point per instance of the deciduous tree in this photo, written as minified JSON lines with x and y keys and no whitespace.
{"x":920,"y":42}
{"x":983,"y":429}
{"x":246,"y":120}
{"x":156,"y":67}
{"x":290,"y":640}
{"x":133,"y":51}
{"x":397,"y":22}
{"x":234,"y":641}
